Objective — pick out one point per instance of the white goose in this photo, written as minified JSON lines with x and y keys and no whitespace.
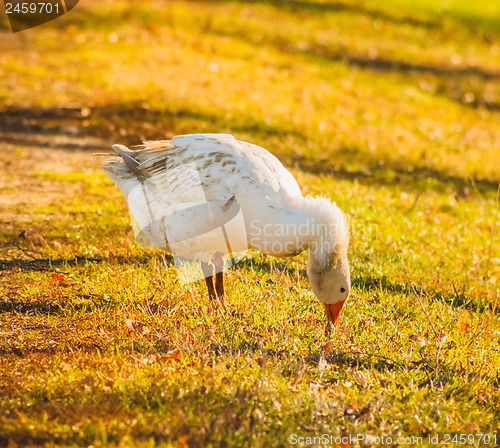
{"x":183,"y":192}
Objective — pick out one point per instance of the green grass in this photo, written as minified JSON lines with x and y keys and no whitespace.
{"x":390,"y":108}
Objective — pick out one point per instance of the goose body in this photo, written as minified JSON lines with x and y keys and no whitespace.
{"x":183,"y":191}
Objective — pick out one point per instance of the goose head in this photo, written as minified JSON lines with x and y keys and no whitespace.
{"x":328,"y":266}
{"x":331,"y":284}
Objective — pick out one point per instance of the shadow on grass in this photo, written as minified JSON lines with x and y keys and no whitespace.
{"x":298,"y":6}
{"x":391,"y":65}
{"x":398,"y":16}
{"x":50,"y":264}
{"x":45,"y":264}
{"x":376,"y":63}
{"x":447,"y":75}
{"x":357,"y":360}
{"x":436,"y":375}
{"x":32,"y":307}
{"x":394,"y":172}
{"x":130,"y":123}
{"x":453,"y":299}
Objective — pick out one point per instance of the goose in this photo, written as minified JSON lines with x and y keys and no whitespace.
{"x":208,"y":197}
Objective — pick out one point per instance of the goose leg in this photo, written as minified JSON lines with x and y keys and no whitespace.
{"x":219,"y":263}
{"x":208,"y":272}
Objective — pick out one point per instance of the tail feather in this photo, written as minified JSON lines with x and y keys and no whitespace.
{"x":128,"y":157}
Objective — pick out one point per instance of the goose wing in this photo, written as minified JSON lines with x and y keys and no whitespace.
{"x":179,"y":189}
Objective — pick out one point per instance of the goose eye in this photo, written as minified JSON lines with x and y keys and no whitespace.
{"x":342,"y":289}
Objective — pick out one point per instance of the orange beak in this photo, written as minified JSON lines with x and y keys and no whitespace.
{"x":333,"y":312}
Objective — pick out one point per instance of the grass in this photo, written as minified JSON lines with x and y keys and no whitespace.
{"x":391,"y":109}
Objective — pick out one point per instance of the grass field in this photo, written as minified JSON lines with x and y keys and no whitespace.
{"x":390,"y":108}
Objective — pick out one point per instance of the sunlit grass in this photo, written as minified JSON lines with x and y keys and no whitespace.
{"x":391,"y":109}
{"x":226,"y":66}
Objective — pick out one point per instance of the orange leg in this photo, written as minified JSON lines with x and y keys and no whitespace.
{"x":219,"y":263}
{"x":208,"y":272}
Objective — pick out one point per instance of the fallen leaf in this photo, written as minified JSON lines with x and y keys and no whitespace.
{"x":59,"y":278}
{"x":470,"y":428}
{"x":183,"y":441}
{"x":175,"y":354}
{"x":328,"y":347}
{"x":464,"y":327}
